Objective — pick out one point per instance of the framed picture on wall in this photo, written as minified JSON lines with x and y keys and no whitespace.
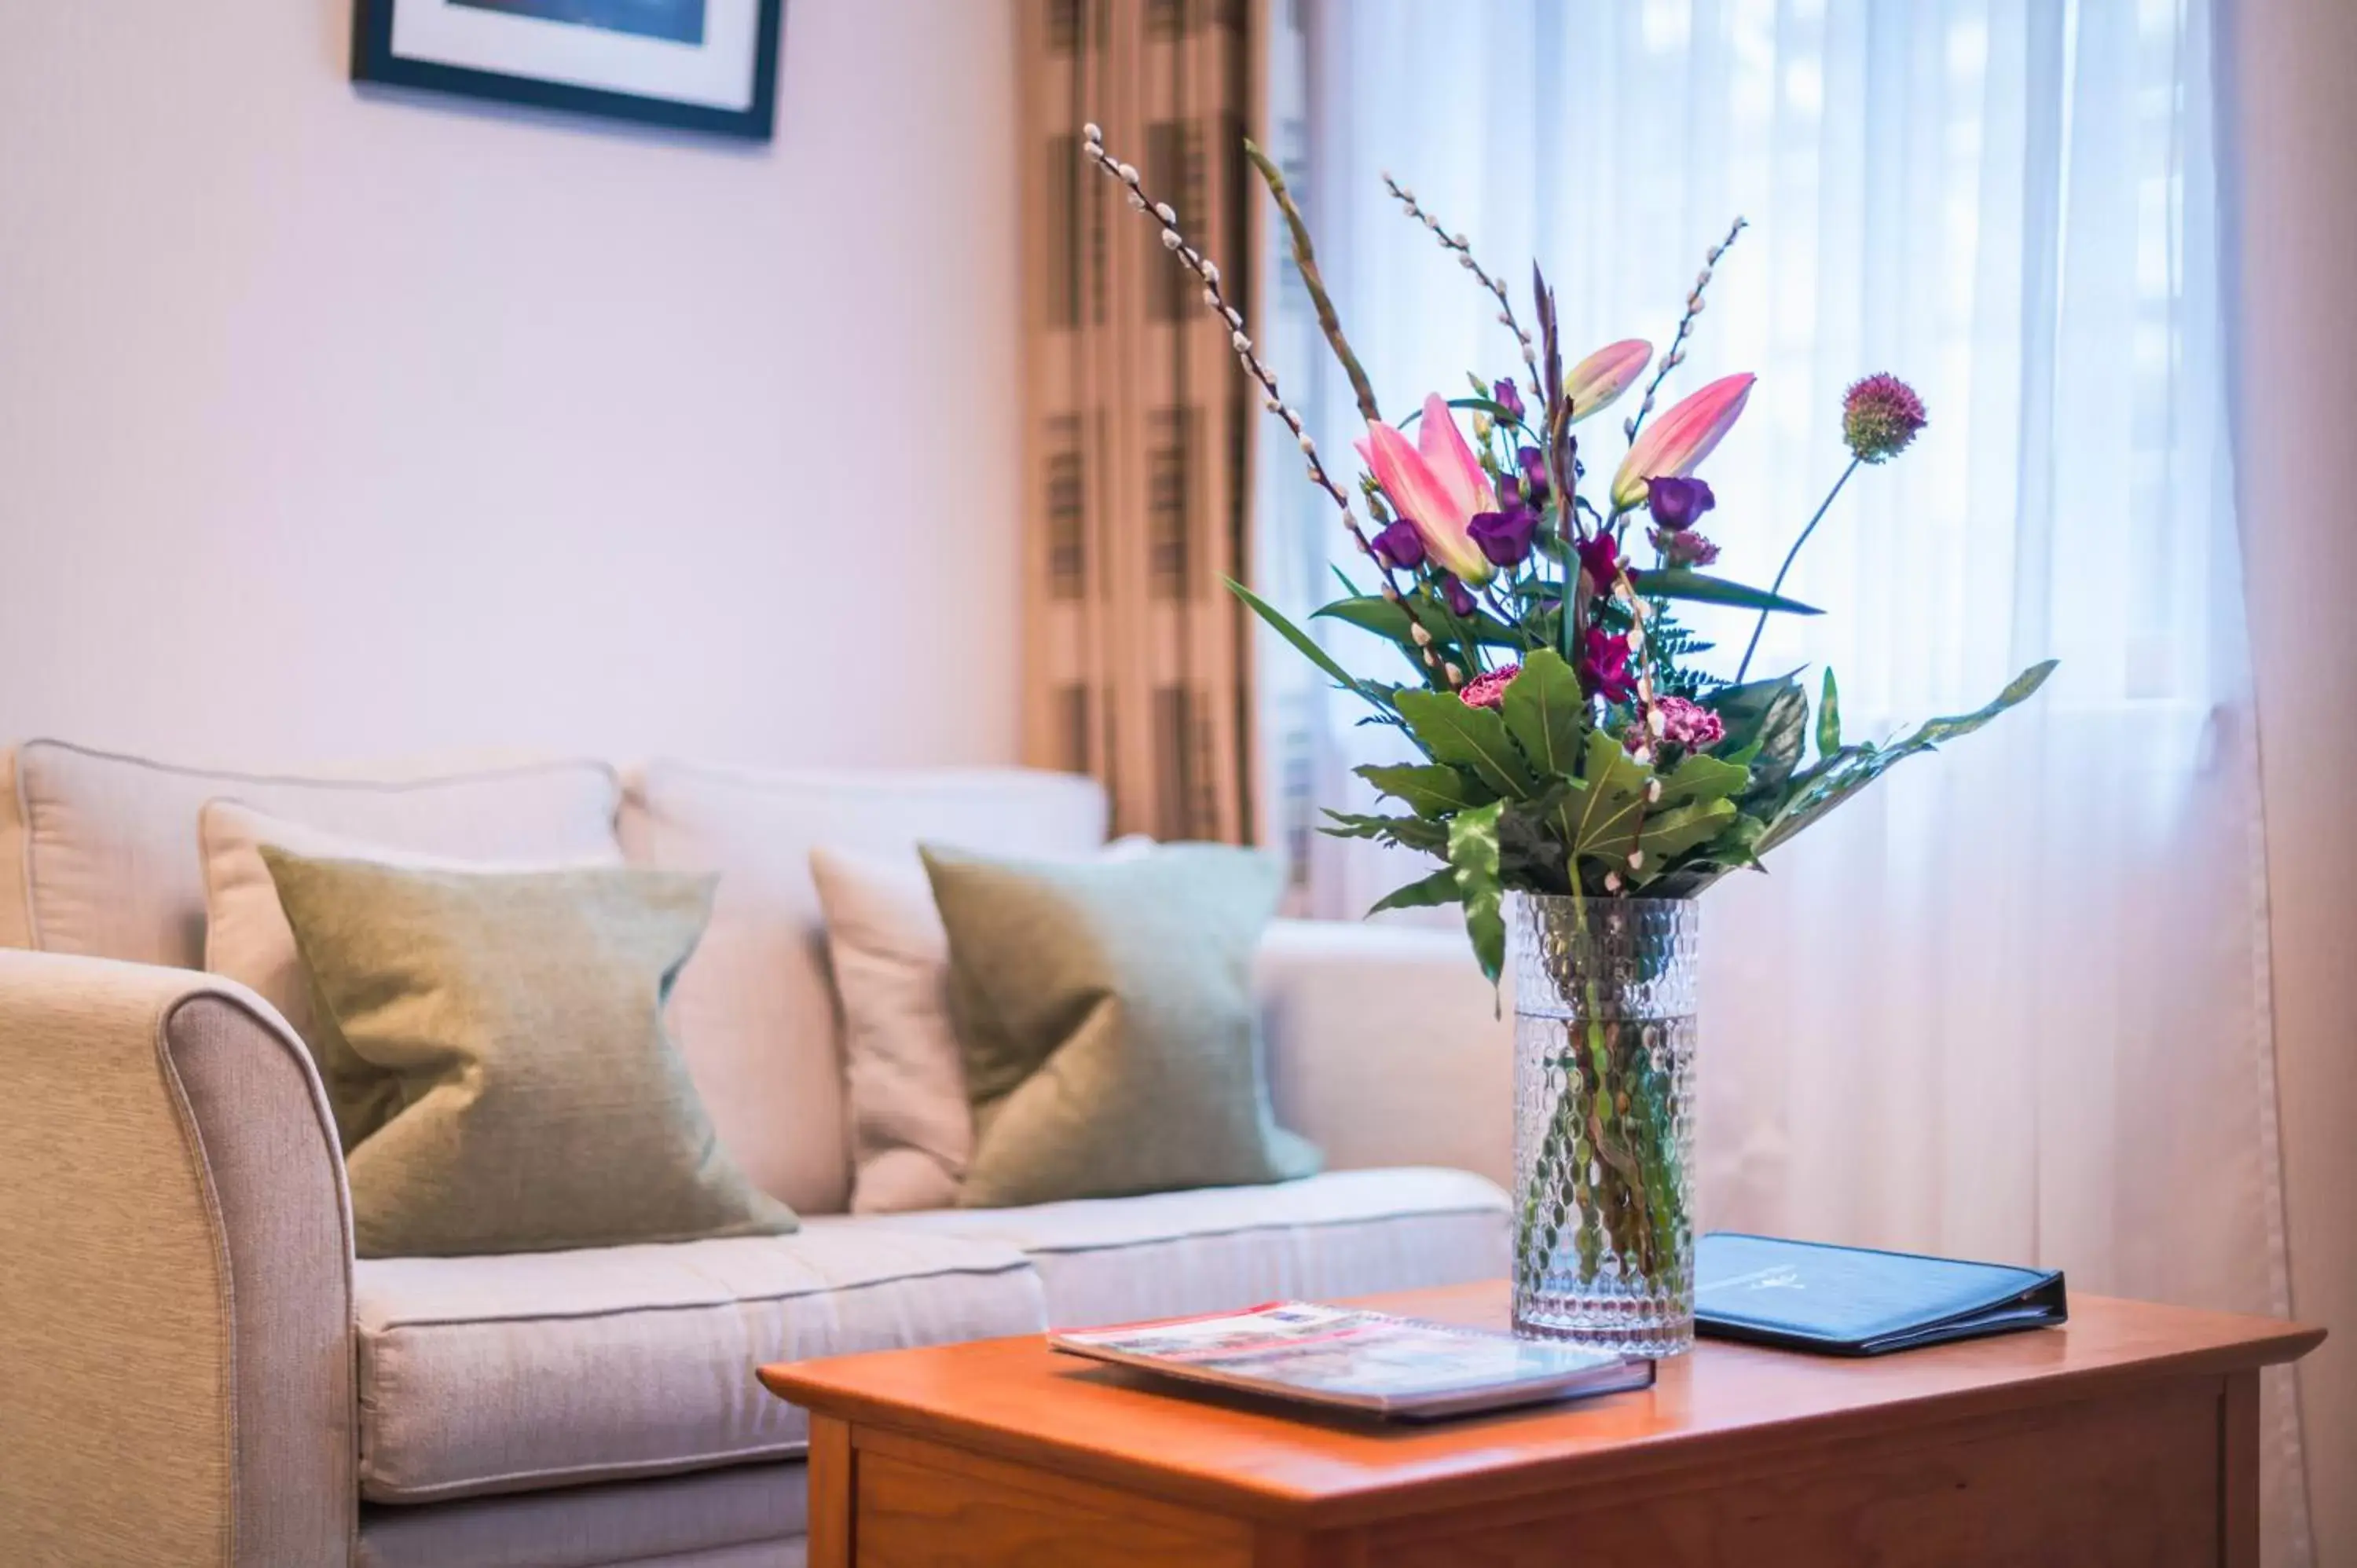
{"x":702,"y":65}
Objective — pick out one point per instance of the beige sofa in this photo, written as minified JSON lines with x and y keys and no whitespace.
{"x":193,"y":1368}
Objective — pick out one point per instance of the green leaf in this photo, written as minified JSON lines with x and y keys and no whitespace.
{"x":1414,"y":833}
{"x":1461,"y":736}
{"x":1668,"y":834}
{"x":1701,"y":777}
{"x":1302,"y":642}
{"x":1430,"y":790}
{"x":1373,"y":612}
{"x":1600,"y":815}
{"x":1851,"y":769}
{"x":1783,"y":734}
{"x":1744,"y":711}
{"x":1829,"y":718}
{"x":1677,"y":582}
{"x":1473,"y":861}
{"x":1546,"y":712}
{"x":1424,"y":893}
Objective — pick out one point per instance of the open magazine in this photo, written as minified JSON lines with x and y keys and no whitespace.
{"x":1359,"y":1360}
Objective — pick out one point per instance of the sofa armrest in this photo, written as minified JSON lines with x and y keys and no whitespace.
{"x":1385,"y":1047}
{"x":175,"y":1300}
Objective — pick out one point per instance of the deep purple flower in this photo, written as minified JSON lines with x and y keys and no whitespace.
{"x":1533,"y":462}
{"x":1401,"y":545}
{"x":1508,"y":396}
{"x":1879,"y":416}
{"x":1599,"y":557}
{"x":1677,"y":503}
{"x":1460,"y":599}
{"x":1505,"y":536}
{"x":1605,"y":667}
{"x":1683,"y":547}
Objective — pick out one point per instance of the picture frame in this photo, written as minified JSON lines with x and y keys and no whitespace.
{"x":709,"y":66}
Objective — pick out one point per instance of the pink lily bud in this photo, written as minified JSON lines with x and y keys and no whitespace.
{"x":1603,"y":376}
{"x":1436,"y":486}
{"x":1674,"y":445}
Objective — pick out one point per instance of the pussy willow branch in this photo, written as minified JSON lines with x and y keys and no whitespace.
{"x":1305,"y":260}
{"x":1217,"y":300}
{"x":1464,"y":254}
{"x":1677,"y":354}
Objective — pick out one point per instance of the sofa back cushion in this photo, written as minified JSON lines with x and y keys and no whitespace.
{"x":753,"y":1011}
{"x":106,"y":851}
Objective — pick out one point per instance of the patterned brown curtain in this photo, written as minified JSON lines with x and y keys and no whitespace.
{"x":1140,"y":429}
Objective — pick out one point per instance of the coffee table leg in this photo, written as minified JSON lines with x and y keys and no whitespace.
{"x":833,"y":1493}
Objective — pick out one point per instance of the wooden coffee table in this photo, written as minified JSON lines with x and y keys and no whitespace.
{"x":2129,"y":1436}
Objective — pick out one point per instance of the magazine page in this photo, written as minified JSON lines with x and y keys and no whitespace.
{"x":1337,"y":1351}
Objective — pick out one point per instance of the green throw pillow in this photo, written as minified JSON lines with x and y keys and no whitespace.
{"x":494,"y":1049}
{"x":1106,"y":1012}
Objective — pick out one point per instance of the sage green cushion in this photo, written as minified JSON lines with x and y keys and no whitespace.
{"x":493,"y":1045}
{"x":1105,"y":1010}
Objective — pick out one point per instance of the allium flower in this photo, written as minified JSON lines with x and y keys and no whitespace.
{"x":1461,"y":602}
{"x":1505,"y":536}
{"x":1605,"y":665}
{"x":1879,"y":416}
{"x":1401,"y":545}
{"x":1685,"y":723}
{"x":1683,"y":547}
{"x":1677,"y":503}
{"x":1490,"y":691}
{"x":1599,"y":557}
{"x":1508,"y":396}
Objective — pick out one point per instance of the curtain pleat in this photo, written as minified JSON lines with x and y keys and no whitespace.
{"x":1139,"y":444}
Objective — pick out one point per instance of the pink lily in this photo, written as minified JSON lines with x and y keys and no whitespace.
{"x":1674,"y":445}
{"x":1597,"y":380}
{"x":1437,"y":486}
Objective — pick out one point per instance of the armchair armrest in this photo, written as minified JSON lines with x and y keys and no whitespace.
{"x":1385,"y":1047}
{"x":175,"y":1300}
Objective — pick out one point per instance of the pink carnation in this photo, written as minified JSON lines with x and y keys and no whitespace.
{"x":1489,"y":691}
{"x":1685,"y":723}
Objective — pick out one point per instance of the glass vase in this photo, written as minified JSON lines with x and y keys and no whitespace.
{"x":1604,"y":1043}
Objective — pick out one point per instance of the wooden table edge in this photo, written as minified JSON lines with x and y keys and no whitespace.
{"x":1242,"y":1497}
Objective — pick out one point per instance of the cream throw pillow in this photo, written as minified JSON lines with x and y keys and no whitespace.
{"x":246,"y":936}
{"x":911,"y":1127}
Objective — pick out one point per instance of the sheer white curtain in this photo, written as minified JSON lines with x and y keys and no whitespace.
{"x":2013,"y":1001}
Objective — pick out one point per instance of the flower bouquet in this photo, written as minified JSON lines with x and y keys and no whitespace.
{"x":1583,"y":777}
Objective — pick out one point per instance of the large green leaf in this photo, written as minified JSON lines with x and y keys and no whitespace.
{"x":1473,"y":860}
{"x":1783,"y":735}
{"x":1430,"y":789}
{"x":1677,"y":582}
{"x":1452,"y":731}
{"x":1424,"y":893}
{"x":1744,"y":711}
{"x":1851,"y":769}
{"x":1701,"y":777}
{"x":1666,"y":835}
{"x":1547,"y":713}
{"x":1302,"y":642}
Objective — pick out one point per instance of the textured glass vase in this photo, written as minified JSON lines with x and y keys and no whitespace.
{"x":1604,"y":1043}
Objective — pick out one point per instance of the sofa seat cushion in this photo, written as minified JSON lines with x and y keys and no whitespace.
{"x":1166,"y":1254}
{"x":502,"y":1374}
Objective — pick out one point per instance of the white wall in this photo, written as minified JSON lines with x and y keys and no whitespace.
{"x":2294,"y":126}
{"x":335,"y":424}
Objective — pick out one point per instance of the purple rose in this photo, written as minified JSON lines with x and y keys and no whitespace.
{"x":1461,"y":602}
{"x":1508,"y":396}
{"x":1401,"y":545}
{"x":1533,"y":462}
{"x":1504,"y":536}
{"x":1677,"y":504}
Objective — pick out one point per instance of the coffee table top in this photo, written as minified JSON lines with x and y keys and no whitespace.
{"x":1017,"y":1400}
